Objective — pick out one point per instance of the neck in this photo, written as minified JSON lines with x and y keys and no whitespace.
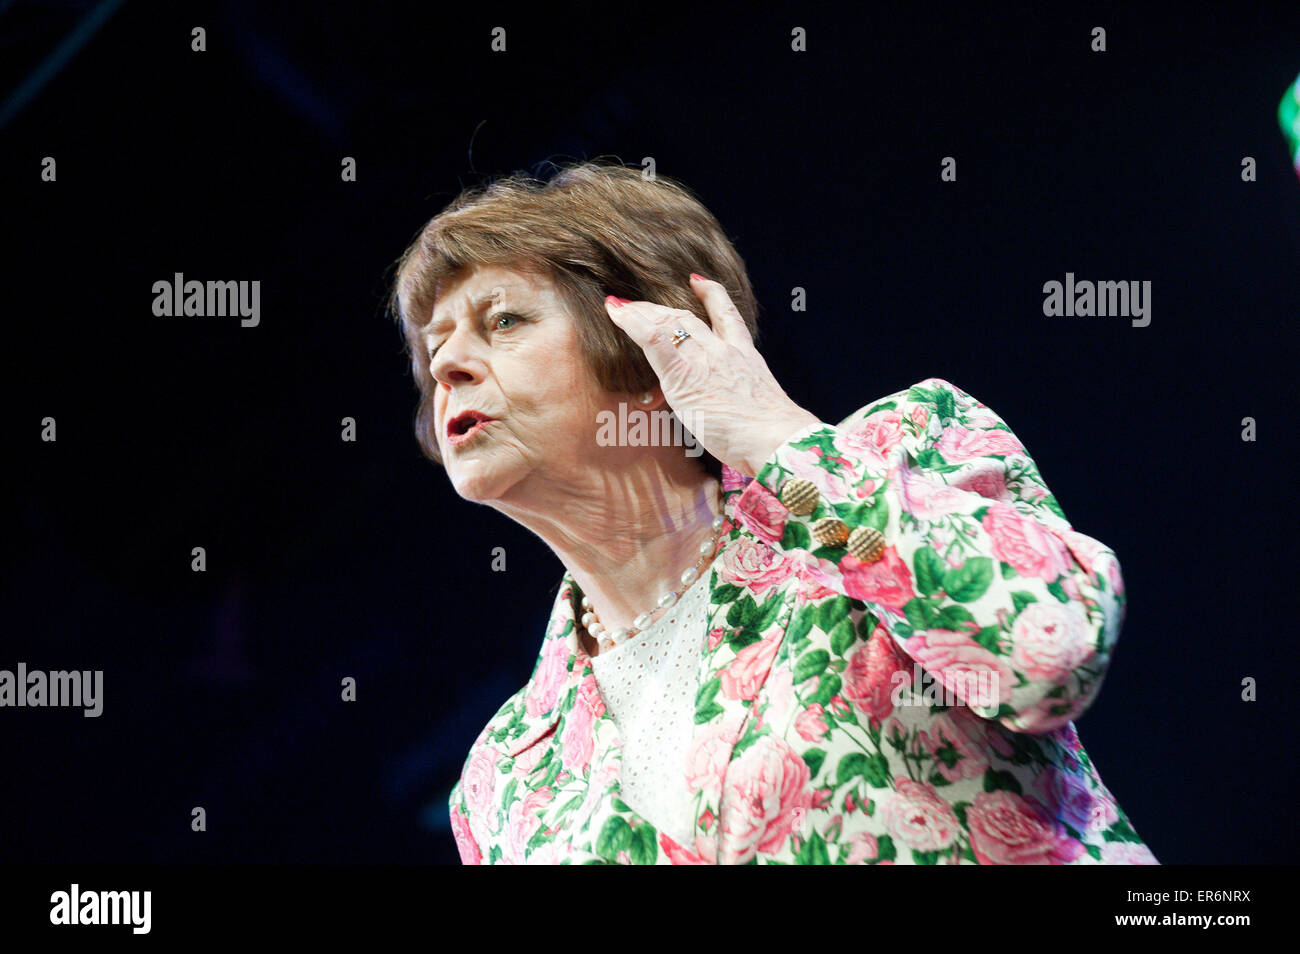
{"x":625,"y":538}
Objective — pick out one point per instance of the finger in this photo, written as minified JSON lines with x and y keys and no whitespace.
{"x":726,"y":317}
{"x":651,"y":326}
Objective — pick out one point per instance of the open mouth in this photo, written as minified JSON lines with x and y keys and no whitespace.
{"x":465,"y":425}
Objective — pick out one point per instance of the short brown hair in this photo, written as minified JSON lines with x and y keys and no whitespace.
{"x":595,"y":228}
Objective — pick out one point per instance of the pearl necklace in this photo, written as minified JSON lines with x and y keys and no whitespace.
{"x":606,"y":640}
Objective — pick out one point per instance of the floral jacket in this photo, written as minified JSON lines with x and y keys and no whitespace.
{"x":915,"y":709}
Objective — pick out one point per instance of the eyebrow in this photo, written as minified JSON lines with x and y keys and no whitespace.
{"x":477,"y":304}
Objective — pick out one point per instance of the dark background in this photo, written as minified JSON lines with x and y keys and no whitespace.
{"x":329,"y":559}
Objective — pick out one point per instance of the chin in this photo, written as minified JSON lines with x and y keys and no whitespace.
{"x":478,"y":480}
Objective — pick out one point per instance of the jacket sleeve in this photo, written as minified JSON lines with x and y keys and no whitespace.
{"x":470,"y":853}
{"x":967,"y":560}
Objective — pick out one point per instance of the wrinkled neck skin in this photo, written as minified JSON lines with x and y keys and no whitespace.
{"x":625,"y":531}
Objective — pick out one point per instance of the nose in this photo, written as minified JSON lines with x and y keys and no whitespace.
{"x":456,"y":361}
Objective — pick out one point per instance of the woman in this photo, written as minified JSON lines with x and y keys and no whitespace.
{"x":813,"y":643}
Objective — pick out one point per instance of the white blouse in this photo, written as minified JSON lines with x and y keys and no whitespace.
{"x":648,"y":684}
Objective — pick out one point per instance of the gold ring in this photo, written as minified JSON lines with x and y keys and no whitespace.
{"x":679,"y":336}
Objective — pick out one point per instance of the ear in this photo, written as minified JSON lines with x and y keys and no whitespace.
{"x":649,"y":399}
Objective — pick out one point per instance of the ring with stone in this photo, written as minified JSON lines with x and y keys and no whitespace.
{"x":680,"y":335}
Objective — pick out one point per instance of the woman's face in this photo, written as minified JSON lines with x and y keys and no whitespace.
{"x":507,"y":347}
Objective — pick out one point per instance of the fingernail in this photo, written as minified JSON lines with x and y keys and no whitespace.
{"x":616,"y":301}
{"x":698,"y":278}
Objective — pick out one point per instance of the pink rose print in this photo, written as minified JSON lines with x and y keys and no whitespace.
{"x":779,"y":690}
{"x":523,"y":821}
{"x":1114,"y":577}
{"x":741,"y":679}
{"x":979,"y":417}
{"x":861,"y":446}
{"x":1039,"y":718}
{"x":707,"y":760}
{"x":747,"y":563}
{"x":957,"y":746}
{"x":1000,"y":743}
{"x":1085,"y":549}
{"x":1050,"y":641}
{"x":579,"y":739}
{"x":1126,"y":853}
{"x":918,"y":817}
{"x":887,"y":582}
{"x":812,"y":592}
{"x":1084,"y":809}
{"x":766,"y":789}
{"x":829,"y":484}
{"x":869,"y":675}
{"x":1006,"y":829}
{"x":1030,"y":548}
{"x":480,"y":774}
{"x":733,"y":480}
{"x":985,"y":478}
{"x":810,"y":724}
{"x":547,"y":853}
{"x":920,"y":416}
{"x":958,"y":663}
{"x":527,"y":760}
{"x":715,"y":637}
{"x":925,"y":498}
{"x":762,"y":513}
{"x":880,"y":432}
{"x":469,"y":853}
{"x":678,"y":855}
{"x":550,"y":676}
{"x":959,"y":444}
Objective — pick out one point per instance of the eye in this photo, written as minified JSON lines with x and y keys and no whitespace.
{"x":501,"y":317}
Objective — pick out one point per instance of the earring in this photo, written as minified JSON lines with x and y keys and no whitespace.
{"x":647,"y":398}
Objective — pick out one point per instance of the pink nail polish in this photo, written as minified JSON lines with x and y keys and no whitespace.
{"x":698,"y":278}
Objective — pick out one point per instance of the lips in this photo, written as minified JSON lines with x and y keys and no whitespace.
{"x":465,"y":424}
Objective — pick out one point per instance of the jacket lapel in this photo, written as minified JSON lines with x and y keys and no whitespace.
{"x":746,"y":625}
{"x":748,"y":616}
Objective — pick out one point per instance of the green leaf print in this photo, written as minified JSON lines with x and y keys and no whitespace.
{"x":814,"y":758}
{"x":813,"y":851}
{"x":827,"y":687}
{"x":796,"y":536}
{"x":1020,"y":599}
{"x":811,"y":664}
{"x":929,"y":569}
{"x":995,"y":779}
{"x":615,"y":836}
{"x":842,"y":637}
{"x":644,"y":848}
{"x":970,"y":581}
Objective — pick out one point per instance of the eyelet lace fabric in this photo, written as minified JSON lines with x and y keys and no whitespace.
{"x":649,"y":685}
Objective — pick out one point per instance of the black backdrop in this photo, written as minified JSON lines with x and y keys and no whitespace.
{"x":329,"y":559}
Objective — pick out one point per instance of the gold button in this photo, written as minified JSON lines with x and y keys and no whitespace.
{"x":867,"y":544}
{"x":831,"y":531}
{"x":799,"y":496}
